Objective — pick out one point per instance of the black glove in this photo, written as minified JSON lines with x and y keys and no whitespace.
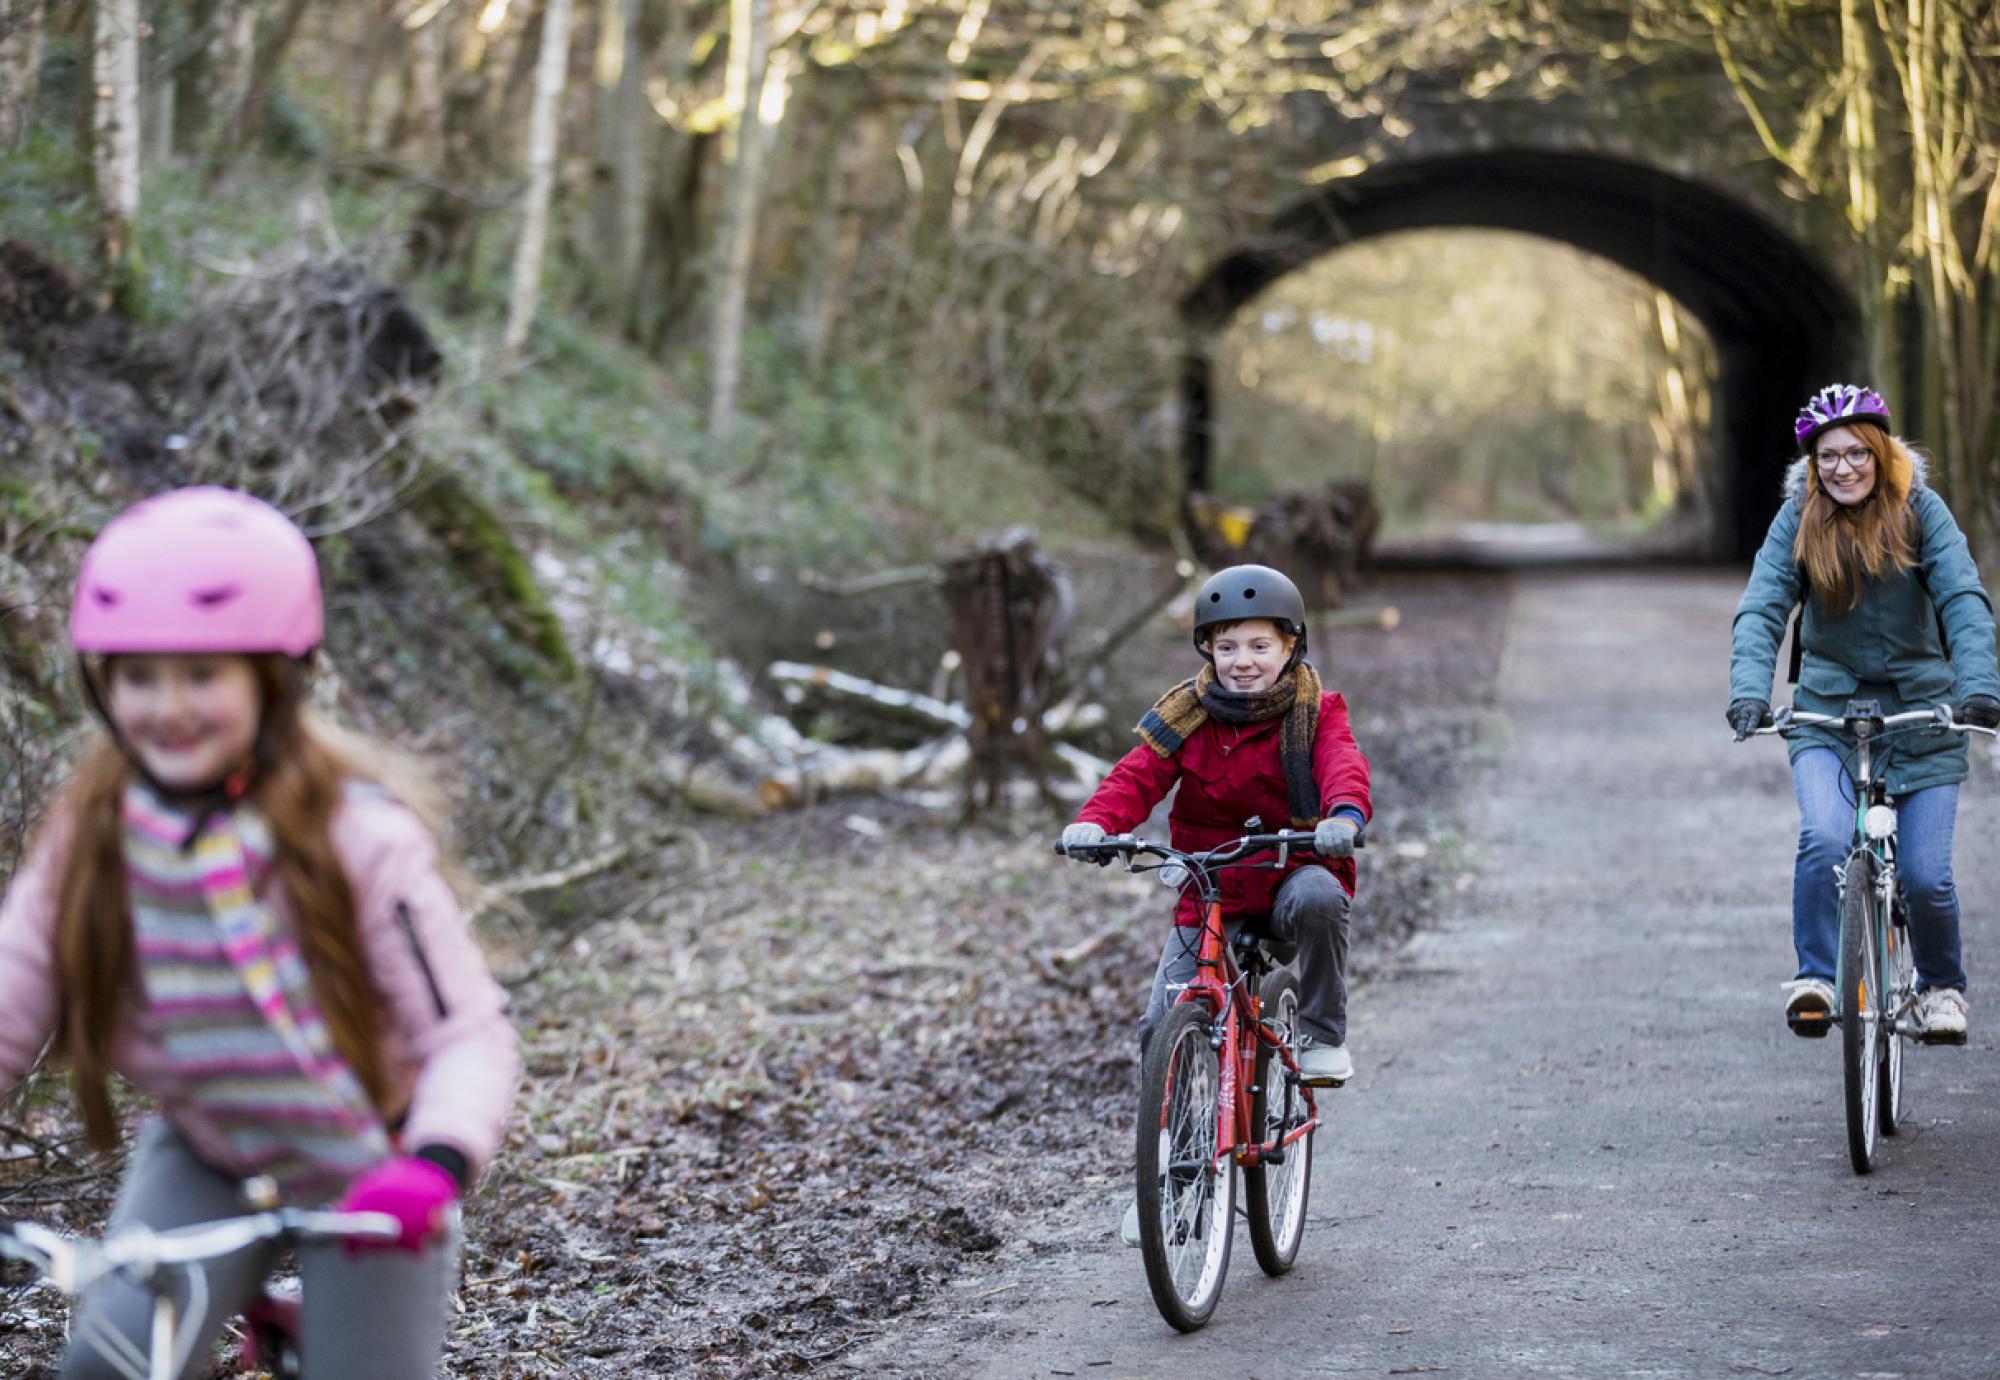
{"x":1981,"y":711}
{"x":1747,"y":716}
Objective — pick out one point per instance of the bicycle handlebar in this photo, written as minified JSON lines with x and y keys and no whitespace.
{"x":1940,"y":716}
{"x":1127,"y":846}
{"x":74,"y":1263}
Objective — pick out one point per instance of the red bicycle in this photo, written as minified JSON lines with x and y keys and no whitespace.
{"x":1219,"y":1090}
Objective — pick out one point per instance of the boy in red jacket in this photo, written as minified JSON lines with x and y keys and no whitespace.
{"x":1252,"y":735}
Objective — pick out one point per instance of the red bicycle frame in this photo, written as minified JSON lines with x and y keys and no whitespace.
{"x":1220,"y":985}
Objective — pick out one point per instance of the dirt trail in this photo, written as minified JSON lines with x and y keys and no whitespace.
{"x":1581,"y":1142}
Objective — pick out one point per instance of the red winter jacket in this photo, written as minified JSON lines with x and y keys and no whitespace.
{"x":1227,"y":775}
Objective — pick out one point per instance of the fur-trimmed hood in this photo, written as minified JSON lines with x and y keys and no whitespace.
{"x":1795,"y":473}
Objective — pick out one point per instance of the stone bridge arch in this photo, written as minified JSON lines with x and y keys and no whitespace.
{"x":1781,"y":322}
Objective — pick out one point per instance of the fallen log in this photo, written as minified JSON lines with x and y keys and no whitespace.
{"x":798,"y":681}
{"x":904,"y":706}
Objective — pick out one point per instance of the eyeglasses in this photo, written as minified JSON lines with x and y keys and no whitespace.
{"x":1855,"y":458}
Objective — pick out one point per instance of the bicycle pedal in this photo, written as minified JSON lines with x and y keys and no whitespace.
{"x":1324,"y":1082}
{"x":1955,"y":1038}
{"x":1813,"y":1025}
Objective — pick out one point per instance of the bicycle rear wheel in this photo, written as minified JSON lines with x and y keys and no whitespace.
{"x":1860,"y":1000}
{"x":1187,"y":1200}
{"x":1899,"y":997}
{"x":1274,"y":1193}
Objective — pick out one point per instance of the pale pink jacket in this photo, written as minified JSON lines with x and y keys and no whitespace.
{"x":452,"y":1054}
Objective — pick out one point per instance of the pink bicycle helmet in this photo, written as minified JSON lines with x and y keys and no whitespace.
{"x":198,"y":570}
{"x":1837,"y":404}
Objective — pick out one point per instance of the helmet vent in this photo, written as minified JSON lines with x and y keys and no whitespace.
{"x":108,"y":598}
{"x":212,"y":598}
{"x":1250,"y":593}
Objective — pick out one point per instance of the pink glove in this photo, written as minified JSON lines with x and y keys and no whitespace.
{"x":413,"y":1191}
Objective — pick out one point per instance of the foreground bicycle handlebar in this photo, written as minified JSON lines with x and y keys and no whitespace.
{"x":74,"y":1263}
{"x":151,"y":1258}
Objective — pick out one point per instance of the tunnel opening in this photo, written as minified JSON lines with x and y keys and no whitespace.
{"x":1490,"y":389}
{"x":1780,"y":324}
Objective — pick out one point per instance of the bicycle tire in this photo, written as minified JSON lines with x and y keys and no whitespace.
{"x":1275,"y":1195}
{"x":1860,"y":995}
{"x":1899,"y":978}
{"x":1187,"y":1201}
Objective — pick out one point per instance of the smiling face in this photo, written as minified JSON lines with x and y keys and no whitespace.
{"x":1845,"y":464}
{"x":1249,"y":655}
{"x":190,"y":718}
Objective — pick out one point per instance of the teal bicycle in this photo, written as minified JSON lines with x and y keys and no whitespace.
{"x":1875,"y":989}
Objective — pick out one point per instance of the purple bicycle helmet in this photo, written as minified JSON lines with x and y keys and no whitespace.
{"x":1837,"y":404}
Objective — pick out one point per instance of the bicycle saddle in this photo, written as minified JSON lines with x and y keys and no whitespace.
{"x":1277,"y":952}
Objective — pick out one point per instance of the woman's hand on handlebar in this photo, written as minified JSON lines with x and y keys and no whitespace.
{"x":1746,"y":716}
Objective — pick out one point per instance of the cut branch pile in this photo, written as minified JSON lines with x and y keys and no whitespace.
{"x":307,"y":375}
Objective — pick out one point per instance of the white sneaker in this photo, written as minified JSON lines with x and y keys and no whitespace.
{"x":1809,"y":1006}
{"x":1128,"y":1230}
{"x":1941,"y":1011}
{"x":1324,"y":1066}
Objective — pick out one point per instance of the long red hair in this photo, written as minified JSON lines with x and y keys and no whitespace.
{"x":1839,"y":544}
{"x":297,"y":789}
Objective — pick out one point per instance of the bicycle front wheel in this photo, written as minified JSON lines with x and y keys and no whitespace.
{"x":1899,"y":999}
{"x":1187,"y":1200}
{"x":1274,"y":1193}
{"x":1860,"y":1000}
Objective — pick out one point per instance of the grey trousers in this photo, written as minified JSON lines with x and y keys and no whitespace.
{"x":378,"y":1314}
{"x":1312,"y":907}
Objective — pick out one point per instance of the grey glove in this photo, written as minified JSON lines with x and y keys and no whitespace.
{"x":1080,"y":833}
{"x":1981,"y":711}
{"x":1333,"y":837}
{"x":1747,"y":716}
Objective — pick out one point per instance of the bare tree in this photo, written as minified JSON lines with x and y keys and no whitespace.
{"x":619,"y":176}
{"x":115,"y":45}
{"x":20,"y":62}
{"x":543,"y":130}
{"x":749,"y":39}
{"x":264,"y":72}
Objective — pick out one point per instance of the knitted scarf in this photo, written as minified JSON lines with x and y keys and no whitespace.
{"x":1295,"y":696}
{"x":230,"y":999}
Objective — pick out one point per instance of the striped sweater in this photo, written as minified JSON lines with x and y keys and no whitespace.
{"x":229,"y":998}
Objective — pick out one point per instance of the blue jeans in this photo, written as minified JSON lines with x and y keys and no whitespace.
{"x":1924,"y":821}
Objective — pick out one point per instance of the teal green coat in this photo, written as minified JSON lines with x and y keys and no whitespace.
{"x":1885,"y":648}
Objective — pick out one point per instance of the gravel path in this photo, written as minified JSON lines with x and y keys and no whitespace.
{"x":1581,"y":1142}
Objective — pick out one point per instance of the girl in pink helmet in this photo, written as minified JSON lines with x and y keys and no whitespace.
{"x":229,"y":907}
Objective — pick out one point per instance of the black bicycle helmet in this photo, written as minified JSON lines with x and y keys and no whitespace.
{"x":1249,"y":591}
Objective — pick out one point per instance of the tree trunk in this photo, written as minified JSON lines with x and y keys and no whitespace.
{"x":544,"y":125}
{"x":420,"y":121}
{"x":619,"y":174}
{"x":673,"y":238}
{"x":115,"y":70}
{"x":851,"y":200}
{"x":380,"y":43}
{"x":264,"y":73}
{"x":20,"y":63}
{"x":749,"y":38}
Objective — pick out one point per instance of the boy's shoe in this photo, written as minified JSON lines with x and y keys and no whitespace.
{"x":1941,"y":1014}
{"x":1128,"y":1230}
{"x":1809,"y":1006}
{"x":1324,"y":1066}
